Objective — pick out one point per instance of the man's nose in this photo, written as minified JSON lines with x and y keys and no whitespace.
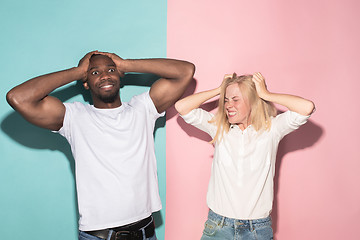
{"x":104,"y":75}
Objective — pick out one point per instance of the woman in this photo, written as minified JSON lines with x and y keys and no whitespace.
{"x":246,"y":133}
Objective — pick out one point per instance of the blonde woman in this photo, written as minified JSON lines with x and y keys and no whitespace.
{"x":246,"y":132}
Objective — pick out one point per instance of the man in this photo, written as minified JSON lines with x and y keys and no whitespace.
{"x":111,"y":141}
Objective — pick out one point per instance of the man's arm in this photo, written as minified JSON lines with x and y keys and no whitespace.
{"x":31,"y":98}
{"x":175,"y":77}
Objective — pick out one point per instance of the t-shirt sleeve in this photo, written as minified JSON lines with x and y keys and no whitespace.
{"x":200,"y":118}
{"x":65,"y":129}
{"x":144,"y":102}
{"x":287,"y":122}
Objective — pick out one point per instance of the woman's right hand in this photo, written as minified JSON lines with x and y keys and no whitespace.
{"x":226,"y":77}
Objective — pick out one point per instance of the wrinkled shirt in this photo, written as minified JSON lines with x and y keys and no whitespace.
{"x":241,"y":184}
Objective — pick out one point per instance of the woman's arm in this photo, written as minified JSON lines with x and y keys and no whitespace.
{"x":185,"y":105}
{"x":293,"y":103}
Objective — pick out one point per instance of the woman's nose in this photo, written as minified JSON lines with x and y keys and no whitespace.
{"x":228,"y":105}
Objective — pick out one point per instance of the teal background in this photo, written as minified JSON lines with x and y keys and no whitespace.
{"x":38,"y":195}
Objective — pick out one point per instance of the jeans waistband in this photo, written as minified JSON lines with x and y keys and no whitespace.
{"x":221,"y":220}
{"x":135,"y":231}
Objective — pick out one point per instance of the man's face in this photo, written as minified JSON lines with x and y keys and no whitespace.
{"x":103,"y":79}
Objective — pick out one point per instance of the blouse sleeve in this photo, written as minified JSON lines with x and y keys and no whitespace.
{"x":287,"y":122}
{"x":200,"y":118}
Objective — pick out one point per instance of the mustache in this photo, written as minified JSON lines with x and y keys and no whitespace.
{"x":106,"y":82}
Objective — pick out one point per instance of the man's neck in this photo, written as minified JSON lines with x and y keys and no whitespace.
{"x":104,"y":105}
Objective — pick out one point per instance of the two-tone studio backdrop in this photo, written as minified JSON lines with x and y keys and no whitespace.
{"x":308,"y":48}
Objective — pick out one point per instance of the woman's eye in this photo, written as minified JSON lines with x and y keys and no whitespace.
{"x":95,"y":73}
{"x":111,"y":70}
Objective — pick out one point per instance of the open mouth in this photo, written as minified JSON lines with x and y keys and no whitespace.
{"x":231,"y":114}
{"x":108,"y":86}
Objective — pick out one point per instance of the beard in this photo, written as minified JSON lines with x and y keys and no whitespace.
{"x":109,"y":98}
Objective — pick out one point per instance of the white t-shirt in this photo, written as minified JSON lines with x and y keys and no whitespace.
{"x":116,"y":174}
{"x":241,"y":183}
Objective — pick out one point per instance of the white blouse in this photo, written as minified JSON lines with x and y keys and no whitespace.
{"x":241,"y":184}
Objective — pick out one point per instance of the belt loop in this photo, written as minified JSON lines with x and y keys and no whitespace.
{"x":143,"y":233}
{"x":143,"y":228}
{"x":109,"y":237}
{"x":222,"y":221}
{"x":251,"y":225}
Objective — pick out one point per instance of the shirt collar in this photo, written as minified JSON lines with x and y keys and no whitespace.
{"x":235,"y":126}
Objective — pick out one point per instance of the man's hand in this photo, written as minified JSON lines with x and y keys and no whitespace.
{"x":119,"y":62}
{"x":84,"y":64}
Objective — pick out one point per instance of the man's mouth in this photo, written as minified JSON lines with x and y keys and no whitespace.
{"x":107,"y":86}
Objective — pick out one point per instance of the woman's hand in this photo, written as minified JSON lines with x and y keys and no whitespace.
{"x":294,"y":103}
{"x":225,"y":79}
{"x":260,"y":85}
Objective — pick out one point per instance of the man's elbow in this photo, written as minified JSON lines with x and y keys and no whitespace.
{"x":12,"y":99}
{"x":189,"y":72}
{"x":16,"y":99}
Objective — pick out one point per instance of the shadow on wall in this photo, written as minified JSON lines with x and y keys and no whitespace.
{"x":171,"y":112}
{"x":305,"y":137}
{"x":26,"y":134}
{"x":190,"y":130}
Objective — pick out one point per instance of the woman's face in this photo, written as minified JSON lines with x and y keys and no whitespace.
{"x":237,"y":106}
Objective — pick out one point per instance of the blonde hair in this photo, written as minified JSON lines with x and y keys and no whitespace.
{"x":261,"y":111}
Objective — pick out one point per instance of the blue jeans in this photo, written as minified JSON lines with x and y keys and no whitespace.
{"x":85,"y":236}
{"x":219,"y":227}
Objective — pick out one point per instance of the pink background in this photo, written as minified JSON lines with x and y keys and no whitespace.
{"x":307,"y":48}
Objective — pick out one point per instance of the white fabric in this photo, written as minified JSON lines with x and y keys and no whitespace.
{"x":241,"y":182}
{"x":116,"y":175}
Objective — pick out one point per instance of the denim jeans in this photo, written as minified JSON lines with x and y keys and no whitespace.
{"x":85,"y":236}
{"x":219,"y":227}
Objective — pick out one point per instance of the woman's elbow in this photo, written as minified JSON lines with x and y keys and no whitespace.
{"x":177,"y":106}
{"x":310,"y":108}
{"x":181,"y":108}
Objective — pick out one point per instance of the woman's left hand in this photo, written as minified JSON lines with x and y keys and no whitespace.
{"x":260,"y":85}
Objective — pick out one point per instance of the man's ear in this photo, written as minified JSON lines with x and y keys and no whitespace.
{"x":86,"y":86}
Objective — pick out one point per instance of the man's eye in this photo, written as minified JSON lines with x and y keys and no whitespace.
{"x":94,"y":73}
{"x":111,"y":70}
